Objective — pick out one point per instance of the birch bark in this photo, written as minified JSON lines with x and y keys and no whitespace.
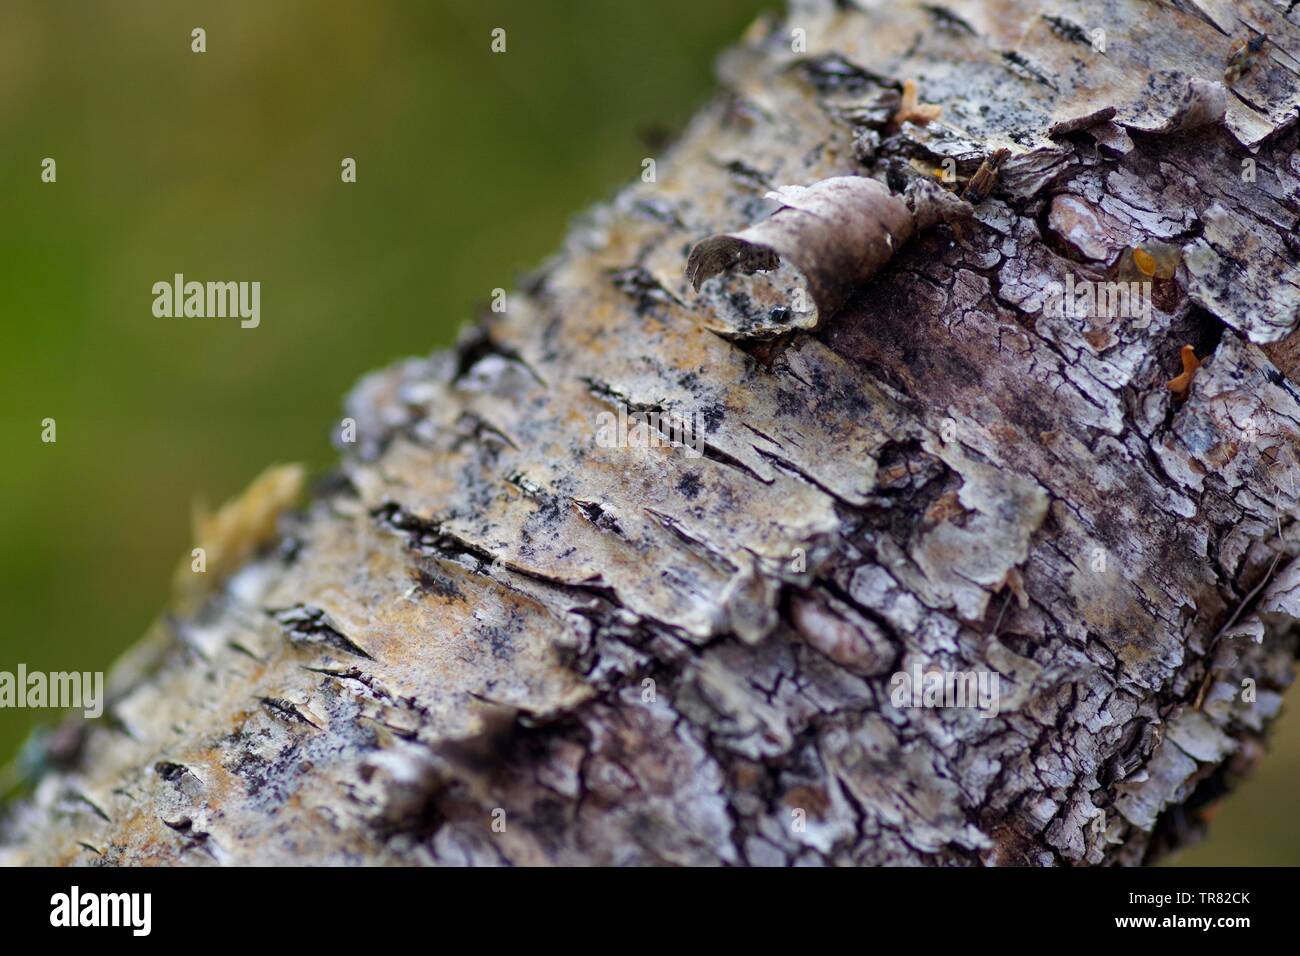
{"x":492,"y":640}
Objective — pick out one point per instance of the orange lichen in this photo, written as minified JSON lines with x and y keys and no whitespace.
{"x":1180,"y":384}
{"x":1150,"y":260}
{"x":912,"y":110}
{"x":1145,"y":262}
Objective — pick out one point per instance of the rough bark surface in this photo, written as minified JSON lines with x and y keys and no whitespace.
{"x":633,"y":655}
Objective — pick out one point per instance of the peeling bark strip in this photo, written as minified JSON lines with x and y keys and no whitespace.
{"x":838,"y":233}
{"x":497,"y":641}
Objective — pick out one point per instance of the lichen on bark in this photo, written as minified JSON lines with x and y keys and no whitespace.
{"x":493,"y":640}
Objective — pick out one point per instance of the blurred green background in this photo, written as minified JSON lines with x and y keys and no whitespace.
{"x":225,"y":166}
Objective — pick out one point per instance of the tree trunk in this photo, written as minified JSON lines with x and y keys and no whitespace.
{"x":507,"y":634}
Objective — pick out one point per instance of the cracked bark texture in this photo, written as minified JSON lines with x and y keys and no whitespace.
{"x":633,"y":656}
